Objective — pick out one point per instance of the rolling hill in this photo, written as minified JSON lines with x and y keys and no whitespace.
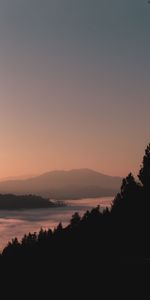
{"x":73,"y":184}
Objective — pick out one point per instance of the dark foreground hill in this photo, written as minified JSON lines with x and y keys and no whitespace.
{"x":14,"y":202}
{"x":74,"y":184}
{"x":98,"y":247}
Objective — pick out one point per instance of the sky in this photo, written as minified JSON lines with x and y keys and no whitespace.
{"x":74,"y":85}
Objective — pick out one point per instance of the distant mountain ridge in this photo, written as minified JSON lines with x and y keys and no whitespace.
{"x":73,"y":184}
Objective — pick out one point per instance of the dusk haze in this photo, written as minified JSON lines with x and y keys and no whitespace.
{"x":74,"y":85}
{"x":75,"y":147}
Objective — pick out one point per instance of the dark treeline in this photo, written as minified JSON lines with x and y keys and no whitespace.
{"x":17,"y":202}
{"x":98,"y":239}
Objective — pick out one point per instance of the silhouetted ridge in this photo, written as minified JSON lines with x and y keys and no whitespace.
{"x":73,"y":184}
{"x":14,"y":202}
{"x":94,"y":242}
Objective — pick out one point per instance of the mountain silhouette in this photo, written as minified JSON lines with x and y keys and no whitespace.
{"x":73,"y":184}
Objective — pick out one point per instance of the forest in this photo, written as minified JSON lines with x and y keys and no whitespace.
{"x":21,"y":202}
{"x":98,"y":240}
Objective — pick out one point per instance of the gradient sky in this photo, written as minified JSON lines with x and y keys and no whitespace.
{"x":74,"y":85}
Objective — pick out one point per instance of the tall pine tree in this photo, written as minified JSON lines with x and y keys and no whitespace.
{"x":144,"y":174}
